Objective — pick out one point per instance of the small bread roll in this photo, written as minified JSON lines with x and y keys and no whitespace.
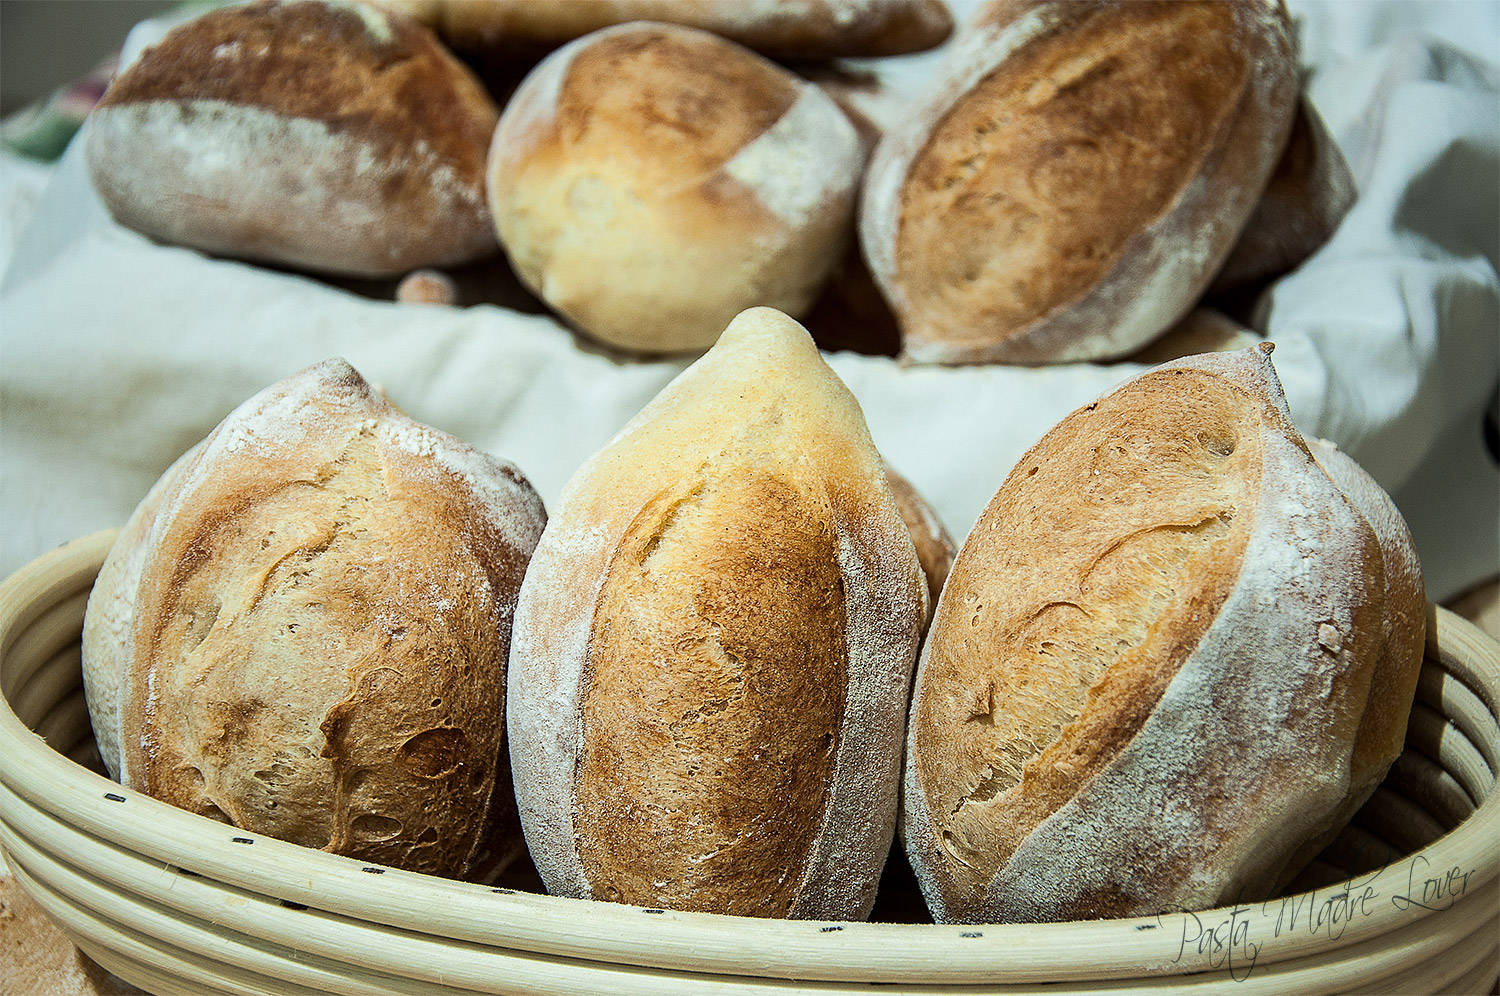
{"x":781,"y":29}
{"x":714,"y":646}
{"x":1155,"y":672}
{"x":315,"y":610}
{"x":650,"y":181}
{"x":1076,"y":175}
{"x":320,"y":136}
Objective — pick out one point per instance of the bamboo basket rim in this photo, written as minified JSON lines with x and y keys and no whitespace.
{"x":1356,"y":918}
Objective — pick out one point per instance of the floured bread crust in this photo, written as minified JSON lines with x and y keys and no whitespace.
{"x":1403,"y":636}
{"x":320,"y":632}
{"x":111,"y":612}
{"x":714,"y":645}
{"x":324,"y":136}
{"x":782,"y":29}
{"x":650,"y":181}
{"x":1149,"y":667}
{"x":1076,"y":175}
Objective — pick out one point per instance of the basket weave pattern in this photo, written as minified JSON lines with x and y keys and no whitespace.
{"x":1406,"y":900}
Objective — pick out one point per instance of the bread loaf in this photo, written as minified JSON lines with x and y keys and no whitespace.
{"x":651,"y":181}
{"x":318,"y":627}
{"x":1076,"y":175}
{"x":934,"y":544}
{"x":1202,"y":330}
{"x":320,"y":136}
{"x":1154,"y":669}
{"x":713,"y":648}
{"x":782,"y":29}
{"x":1402,"y":630}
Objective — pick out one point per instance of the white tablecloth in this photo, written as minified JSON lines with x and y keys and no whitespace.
{"x":117,"y":354}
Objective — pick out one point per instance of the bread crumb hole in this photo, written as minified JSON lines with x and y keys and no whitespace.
{"x":373,"y":827}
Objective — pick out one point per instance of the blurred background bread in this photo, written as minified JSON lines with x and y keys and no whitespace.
{"x":1076,"y":175}
{"x":328,"y":137}
{"x":651,"y":181}
{"x":1307,"y":196}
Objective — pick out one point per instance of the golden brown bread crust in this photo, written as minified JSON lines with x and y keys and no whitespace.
{"x":713,"y":648}
{"x":1077,"y":175}
{"x":1147,"y":672}
{"x":235,"y":124}
{"x":321,"y":629}
{"x":791,"y":29}
{"x":757,"y":657}
{"x":642,"y":152}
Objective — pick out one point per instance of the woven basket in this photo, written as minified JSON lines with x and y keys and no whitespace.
{"x":176,"y":903}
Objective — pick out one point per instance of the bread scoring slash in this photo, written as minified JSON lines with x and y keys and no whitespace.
{"x":303,"y":631}
{"x":1170,"y":659}
{"x":714,"y":647}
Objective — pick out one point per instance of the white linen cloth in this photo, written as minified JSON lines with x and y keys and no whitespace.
{"x":117,"y":354}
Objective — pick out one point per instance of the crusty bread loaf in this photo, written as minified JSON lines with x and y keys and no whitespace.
{"x":651,"y":181}
{"x":1151,"y":671}
{"x":320,"y":136}
{"x":317,"y":640}
{"x":1076,"y":174}
{"x":782,"y":29}
{"x":1308,"y":195}
{"x":714,"y":644}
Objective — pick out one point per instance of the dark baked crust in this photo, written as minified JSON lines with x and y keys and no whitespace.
{"x":719,"y":661}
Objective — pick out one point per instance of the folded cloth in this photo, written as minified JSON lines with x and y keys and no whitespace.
{"x":116,"y":354}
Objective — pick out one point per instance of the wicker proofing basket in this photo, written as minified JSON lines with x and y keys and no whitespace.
{"x":176,"y":903}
